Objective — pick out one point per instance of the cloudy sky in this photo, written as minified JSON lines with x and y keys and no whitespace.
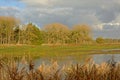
{"x":102,"y":15}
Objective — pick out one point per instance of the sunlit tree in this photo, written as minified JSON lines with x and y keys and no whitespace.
{"x":56,"y":33}
{"x":80,"y":34}
{"x":7,"y":25}
{"x":32,"y":34}
{"x":100,"y":40}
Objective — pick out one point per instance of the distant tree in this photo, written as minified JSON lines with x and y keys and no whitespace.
{"x":80,"y":34}
{"x":17,"y":34}
{"x":99,"y":40}
{"x":56,"y":33}
{"x":110,"y":41}
{"x":7,"y":25}
{"x":32,"y":34}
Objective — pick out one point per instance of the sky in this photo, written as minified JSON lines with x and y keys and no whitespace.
{"x":103,"y":16}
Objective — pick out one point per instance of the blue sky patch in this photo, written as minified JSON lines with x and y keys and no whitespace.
{"x":12,"y":3}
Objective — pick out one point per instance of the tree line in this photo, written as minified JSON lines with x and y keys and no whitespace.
{"x":102,"y":40}
{"x":12,"y":32}
{"x":60,"y":34}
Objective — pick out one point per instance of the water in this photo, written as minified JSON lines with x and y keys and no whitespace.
{"x":71,"y":60}
{"x":97,"y":58}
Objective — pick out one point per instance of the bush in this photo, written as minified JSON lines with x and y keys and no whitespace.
{"x":99,"y":40}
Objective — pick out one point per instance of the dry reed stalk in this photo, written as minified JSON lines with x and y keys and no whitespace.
{"x":9,"y":70}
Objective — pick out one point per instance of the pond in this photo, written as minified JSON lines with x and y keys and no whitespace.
{"x":70,"y":60}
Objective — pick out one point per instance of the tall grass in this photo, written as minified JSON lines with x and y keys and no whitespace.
{"x":11,"y":69}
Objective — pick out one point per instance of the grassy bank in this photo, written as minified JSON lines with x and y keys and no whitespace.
{"x":56,"y":51}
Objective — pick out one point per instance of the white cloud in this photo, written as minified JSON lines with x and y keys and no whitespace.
{"x":39,"y":2}
{"x":102,"y":25}
{"x":111,"y":24}
{"x":98,"y":27}
{"x":9,"y":11}
{"x":8,"y":8}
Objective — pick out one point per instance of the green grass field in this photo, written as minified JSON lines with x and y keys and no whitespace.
{"x":55,"y":51}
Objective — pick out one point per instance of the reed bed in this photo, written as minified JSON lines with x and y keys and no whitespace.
{"x":11,"y":69}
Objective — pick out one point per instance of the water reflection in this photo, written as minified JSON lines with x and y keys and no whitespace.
{"x":69,"y":60}
{"x":98,"y":58}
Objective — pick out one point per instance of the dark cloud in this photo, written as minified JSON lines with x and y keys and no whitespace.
{"x":108,"y":33}
{"x":108,"y":13}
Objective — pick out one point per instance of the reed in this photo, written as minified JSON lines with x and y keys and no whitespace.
{"x":12,"y":70}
